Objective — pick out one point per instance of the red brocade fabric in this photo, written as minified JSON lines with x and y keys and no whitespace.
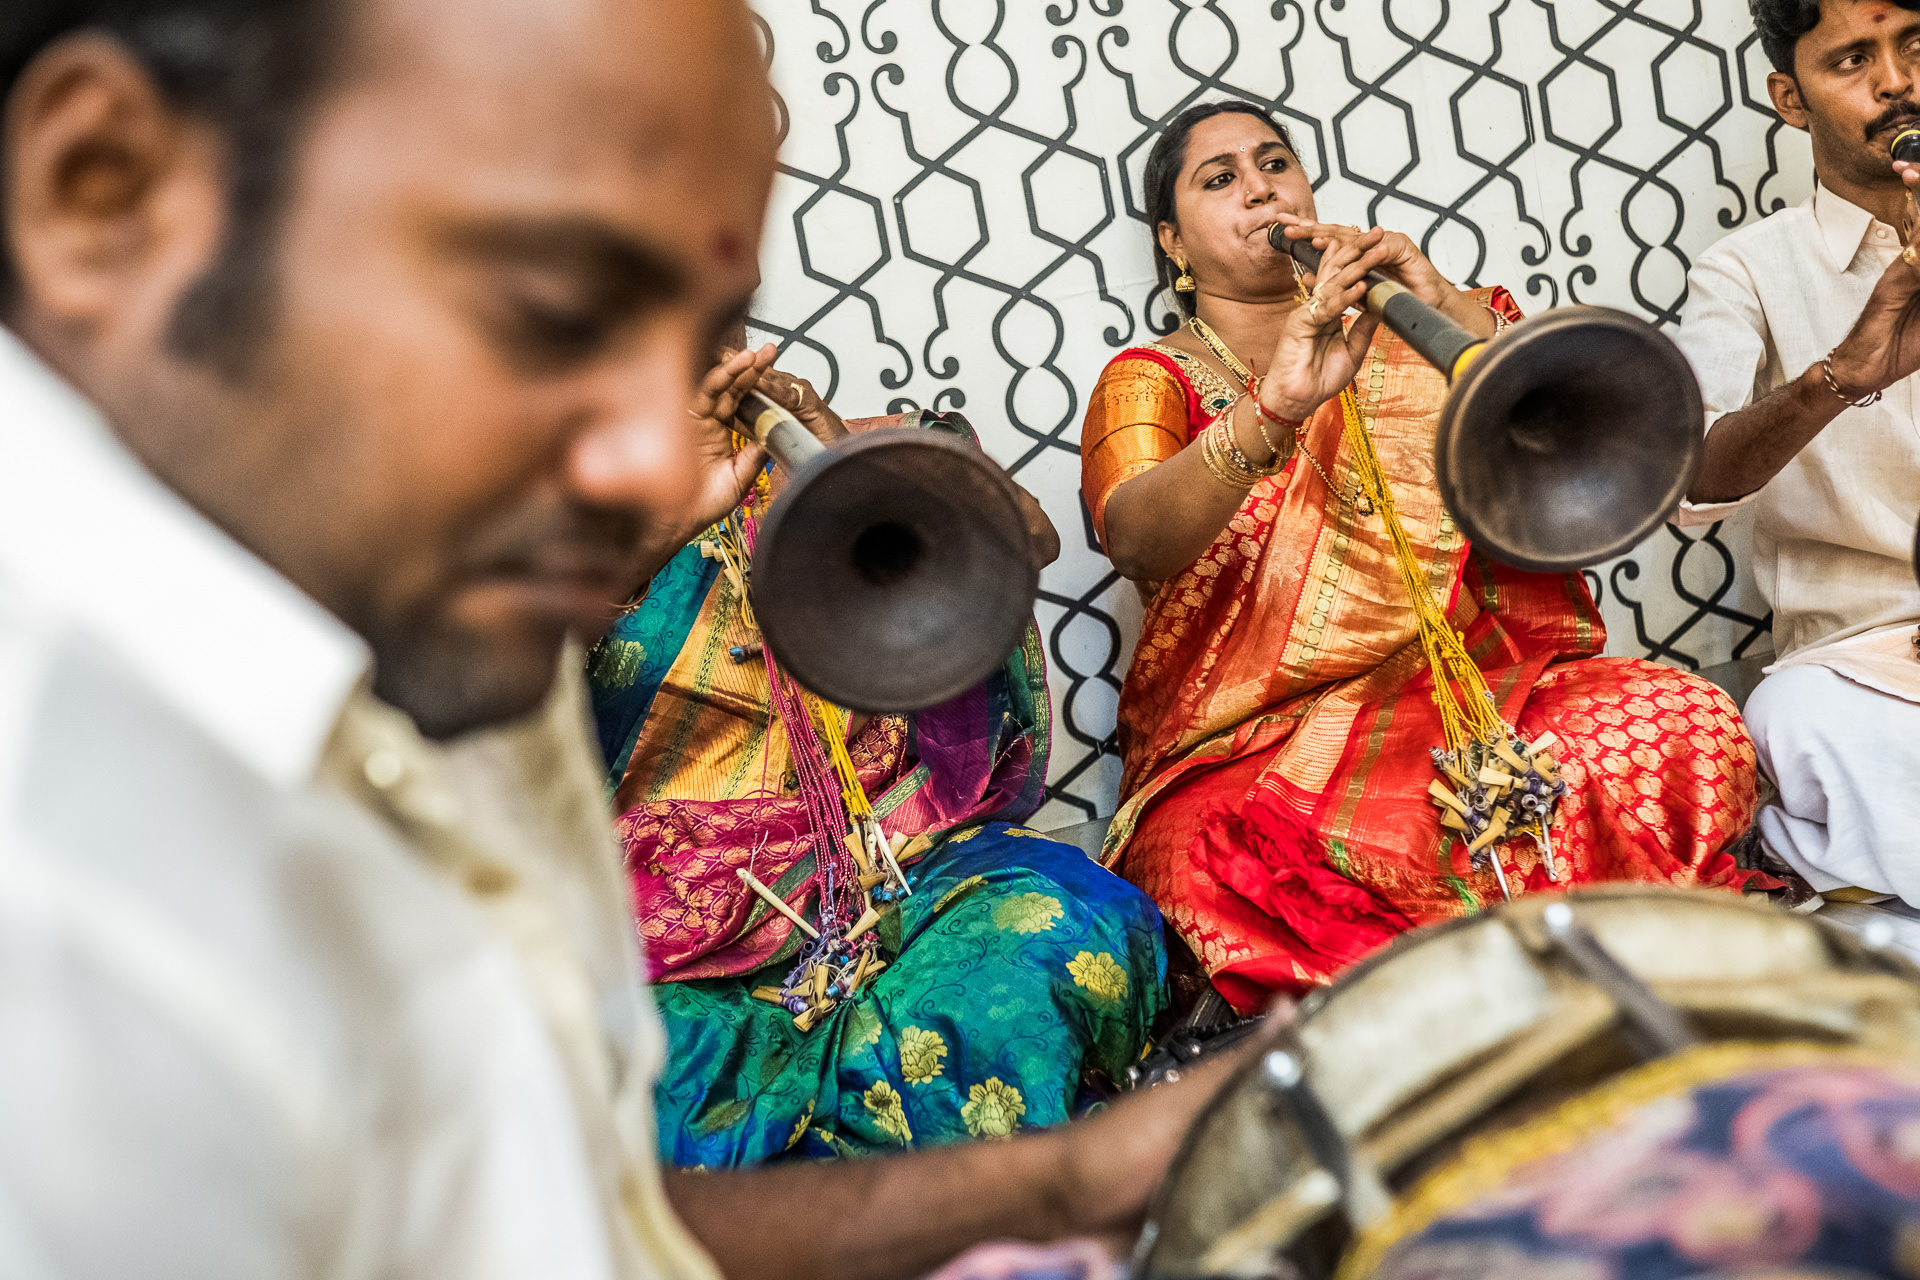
{"x":1277,"y":719}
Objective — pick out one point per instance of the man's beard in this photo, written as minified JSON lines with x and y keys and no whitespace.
{"x":1869,"y":161}
{"x":453,"y":682}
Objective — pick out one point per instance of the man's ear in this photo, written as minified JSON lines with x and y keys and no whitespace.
{"x":1785,"y":92}
{"x":113,"y":198}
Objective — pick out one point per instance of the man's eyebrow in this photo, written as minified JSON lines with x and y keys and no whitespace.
{"x":1865,"y":44}
{"x":622,"y":268}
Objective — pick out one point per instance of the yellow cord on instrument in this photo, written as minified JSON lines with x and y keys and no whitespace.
{"x":832,"y":726}
{"x":830,"y":722}
{"x":1463,"y":718}
{"x":1497,"y":785}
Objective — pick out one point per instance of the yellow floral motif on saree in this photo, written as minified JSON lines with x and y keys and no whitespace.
{"x":993,"y":1109}
{"x":921,"y":1052}
{"x":1028,"y":913}
{"x":800,"y":1126}
{"x":1099,"y":975}
{"x":884,"y":1102}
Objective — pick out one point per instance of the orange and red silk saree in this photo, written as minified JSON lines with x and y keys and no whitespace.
{"x":1277,"y":720}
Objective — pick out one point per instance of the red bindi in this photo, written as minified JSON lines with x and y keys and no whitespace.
{"x":728,"y":247}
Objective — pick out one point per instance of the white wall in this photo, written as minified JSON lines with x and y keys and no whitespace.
{"x":958,"y":223}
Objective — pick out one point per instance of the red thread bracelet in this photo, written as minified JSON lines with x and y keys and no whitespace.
{"x":1253,"y":394}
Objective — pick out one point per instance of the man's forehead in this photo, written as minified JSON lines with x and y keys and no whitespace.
{"x":1843,"y":20}
{"x":653,"y":114}
{"x":648,"y":67}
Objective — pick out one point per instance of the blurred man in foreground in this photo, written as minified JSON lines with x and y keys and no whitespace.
{"x":348,"y":357}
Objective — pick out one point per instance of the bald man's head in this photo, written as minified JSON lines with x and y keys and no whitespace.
{"x":435,"y":366}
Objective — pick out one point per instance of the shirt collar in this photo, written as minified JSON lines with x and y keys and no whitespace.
{"x":1843,"y":225}
{"x":89,"y":535}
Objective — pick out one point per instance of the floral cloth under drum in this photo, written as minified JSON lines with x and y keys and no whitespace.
{"x":1731,"y":1160}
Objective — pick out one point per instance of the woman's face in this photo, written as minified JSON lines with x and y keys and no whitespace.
{"x":1235,"y":180}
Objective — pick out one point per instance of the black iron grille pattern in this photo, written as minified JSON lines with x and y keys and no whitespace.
{"x":959,"y":225}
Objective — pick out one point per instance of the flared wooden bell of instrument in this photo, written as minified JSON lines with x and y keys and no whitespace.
{"x":894,"y":571}
{"x":1570,"y":438}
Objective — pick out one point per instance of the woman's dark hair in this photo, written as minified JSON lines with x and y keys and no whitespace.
{"x":1781,"y":23}
{"x":1162,"y":177}
{"x":251,"y":68}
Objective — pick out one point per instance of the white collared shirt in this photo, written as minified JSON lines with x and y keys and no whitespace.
{"x":1833,"y":533}
{"x":286,"y":990}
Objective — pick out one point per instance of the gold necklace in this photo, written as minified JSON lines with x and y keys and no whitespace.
{"x":1353,"y":496}
{"x":1202,"y":330}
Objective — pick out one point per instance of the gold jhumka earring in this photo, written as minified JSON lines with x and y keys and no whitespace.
{"x":1185,"y":283}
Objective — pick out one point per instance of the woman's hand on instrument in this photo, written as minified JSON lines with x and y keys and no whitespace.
{"x":1404,"y":263}
{"x":724,"y":473}
{"x":797,"y":396}
{"x":1317,"y":354}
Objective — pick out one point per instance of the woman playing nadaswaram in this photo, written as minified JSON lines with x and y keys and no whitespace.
{"x":1283,"y":800}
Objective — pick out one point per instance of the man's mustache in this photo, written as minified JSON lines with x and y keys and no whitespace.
{"x":575,"y":536}
{"x":1898,"y":114}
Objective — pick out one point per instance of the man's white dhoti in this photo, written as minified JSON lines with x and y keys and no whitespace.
{"x":1846,"y":759}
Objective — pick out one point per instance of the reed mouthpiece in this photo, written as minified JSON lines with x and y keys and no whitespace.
{"x":1302,"y":251}
{"x":1906,"y":145}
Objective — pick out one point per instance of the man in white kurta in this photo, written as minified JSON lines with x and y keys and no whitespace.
{"x":1793,"y":325}
{"x":286,"y":990}
{"x":348,"y":359}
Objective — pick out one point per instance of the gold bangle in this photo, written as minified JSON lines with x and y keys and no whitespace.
{"x":1214,"y":464}
{"x":1238,"y":454}
{"x":1212,"y":452}
{"x":1229,"y":445}
{"x":1233,"y":463}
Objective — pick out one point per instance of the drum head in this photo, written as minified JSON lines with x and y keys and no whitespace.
{"x":1464,"y":1027}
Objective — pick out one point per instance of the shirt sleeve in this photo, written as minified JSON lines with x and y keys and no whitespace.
{"x":1723,"y":333}
{"x":1505,"y":310}
{"x":1136,"y":420}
